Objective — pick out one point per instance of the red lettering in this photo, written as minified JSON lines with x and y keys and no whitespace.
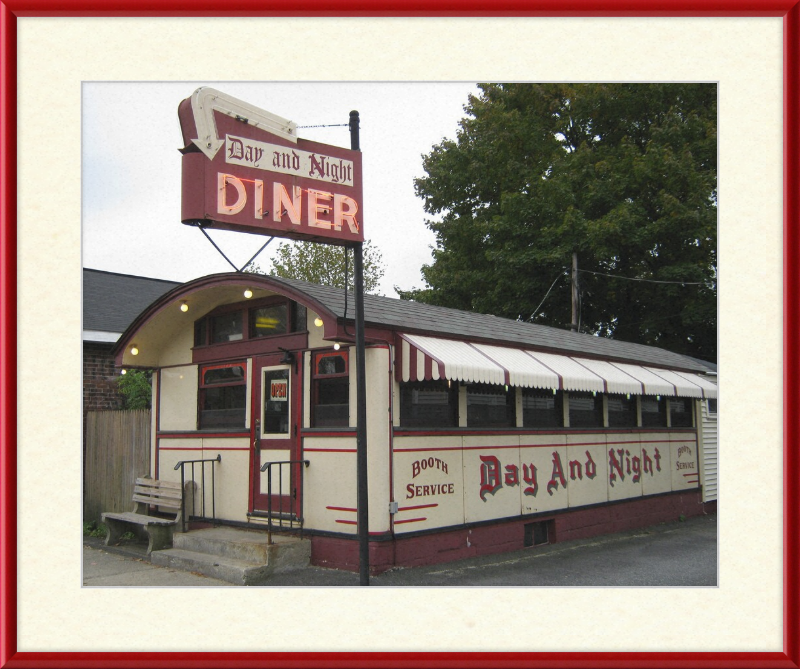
{"x":490,"y":476}
{"x":529,"y":476}
{"x":558,"y":473}
{"x":591,"y":467}
{"x":410,"y":488}
{"x":512,"y":475}
{"x":613,"y":464}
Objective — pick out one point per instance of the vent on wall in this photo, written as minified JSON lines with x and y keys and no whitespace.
{"x":537,"y":534}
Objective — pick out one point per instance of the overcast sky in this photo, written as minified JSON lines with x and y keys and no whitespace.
{"x":131,"y":171}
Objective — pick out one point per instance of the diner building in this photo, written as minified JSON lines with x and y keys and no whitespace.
{"x":483,"y":434}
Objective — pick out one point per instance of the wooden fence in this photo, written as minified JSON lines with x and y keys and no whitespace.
{"x":116,"y":452}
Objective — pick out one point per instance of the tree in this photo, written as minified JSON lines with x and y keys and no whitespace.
{"x":324,"y":264}
{"x":136,"y":388}
{"x":624,"y":175}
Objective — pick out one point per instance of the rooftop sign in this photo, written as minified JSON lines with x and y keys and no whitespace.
{"x":245,"y":169}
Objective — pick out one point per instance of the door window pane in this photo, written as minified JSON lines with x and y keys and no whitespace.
{"x":276,"y":393}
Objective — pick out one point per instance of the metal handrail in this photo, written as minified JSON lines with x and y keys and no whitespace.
{"x":182,"y":464}
{"x":267,"y":467}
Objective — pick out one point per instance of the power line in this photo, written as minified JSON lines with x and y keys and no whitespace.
{"x":628,"y":278}
{"x":533,"y":315}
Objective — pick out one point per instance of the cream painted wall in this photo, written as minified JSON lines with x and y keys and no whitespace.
{"x":542,"y":459}
{"x":416,"y":509}
{"x":330,"y":484}
{"x":497,"y":476}
{"x":315,"y":333}
{"x":505,"y":500}
{"x":379,"y":380}
{"x":178,"y":410}
{"x":179,"y":349}
{"x":353,"y":371}
{"x":231,"y":474}
{"x":591,"y":456}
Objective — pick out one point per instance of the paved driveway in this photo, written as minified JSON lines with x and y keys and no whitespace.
{"x":669,"y":555}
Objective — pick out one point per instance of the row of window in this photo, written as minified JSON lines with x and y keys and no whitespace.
{"x":223,"y":395}
{"x":262,"y":318}
{"x":433,"y":404}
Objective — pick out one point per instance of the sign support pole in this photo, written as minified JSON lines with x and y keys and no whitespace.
{"x":361,"y":393}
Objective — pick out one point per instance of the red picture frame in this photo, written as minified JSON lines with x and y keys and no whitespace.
{"x":10,"y":657}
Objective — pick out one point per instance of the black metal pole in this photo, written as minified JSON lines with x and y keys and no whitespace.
{"x":361,"y":394}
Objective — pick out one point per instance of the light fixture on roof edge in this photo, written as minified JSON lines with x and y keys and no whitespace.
{"x":134,"y":350}
{"x":184,"y":306}
{"x":336,"y":346}
{"x":248,"y":293}
{"x":318,"y":322}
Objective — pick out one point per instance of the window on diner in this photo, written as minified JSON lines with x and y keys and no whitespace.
{"x":711,"y":405}
{"x":264,"y":318}
{"x":330,"y":389}
{"x":268,"y":321}
{"x":654,"y":411}
{"x":226,"y":327}
{"x":542,"y":408}
{"x":585,"y":410}
{"x":201,"y":332}
{"x":680,"y":411}
{"x":428,"y":404}
{"x":222,"y":396}
{"x":621,"y":411}
{"x":300,"y":318}
{"x":490,"y":405}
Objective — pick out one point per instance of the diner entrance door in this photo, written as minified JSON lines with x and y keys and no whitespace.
{"x":275,"y":442}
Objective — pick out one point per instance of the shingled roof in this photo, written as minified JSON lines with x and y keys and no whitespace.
{"x":415,"y":317}
{"x":111,"y":301}
{"x":132,"y":294}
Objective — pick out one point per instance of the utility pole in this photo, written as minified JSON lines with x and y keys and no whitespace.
{"x":574,"y":325}
{"x":362,"y":502}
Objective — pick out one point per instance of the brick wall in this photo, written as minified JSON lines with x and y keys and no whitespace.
{"x":100,"y":379}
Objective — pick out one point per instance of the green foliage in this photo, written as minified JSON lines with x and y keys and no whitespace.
{"x":624,"y":175}
{"x":136,"y":388}
{"x":94,"y":529}
{"x":324,"y":264}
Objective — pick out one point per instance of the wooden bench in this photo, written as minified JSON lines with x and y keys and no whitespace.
{"x":146,"y":493}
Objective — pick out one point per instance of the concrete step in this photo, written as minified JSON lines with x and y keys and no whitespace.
{"x":239,"y":572}
{"x":235,"y":555}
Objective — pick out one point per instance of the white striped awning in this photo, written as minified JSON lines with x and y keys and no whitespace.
{"x":430,"y":358}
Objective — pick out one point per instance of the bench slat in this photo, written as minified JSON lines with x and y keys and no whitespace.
{"x":168,"y":494}
{"x":157,"y":501}
{"x":139,"y":519}
{"x":157,"y":483}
